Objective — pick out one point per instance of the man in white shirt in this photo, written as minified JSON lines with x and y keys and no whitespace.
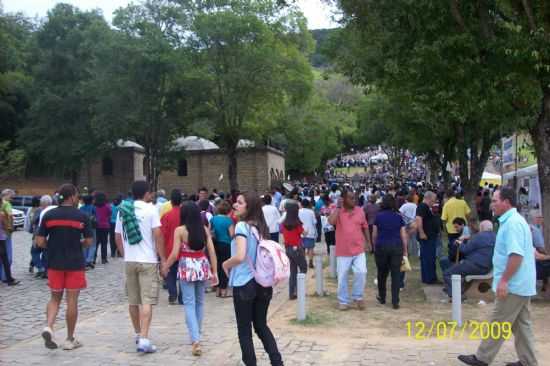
{"x":408,"y":211}
{"x":139,"y":239}
{"x":309,"y":222}
{"x":272,"y":217}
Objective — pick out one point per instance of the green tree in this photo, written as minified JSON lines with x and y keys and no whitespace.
{"x":60,"y":131}
{"x":145,"y":91}
{"x":453,"y":78}
{"x":251,"y":57}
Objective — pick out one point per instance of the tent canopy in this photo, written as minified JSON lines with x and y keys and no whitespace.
{"x":490,"y":178}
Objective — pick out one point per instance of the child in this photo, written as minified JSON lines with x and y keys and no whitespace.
{"x":292,"y":230}
{"x":307,"y":217}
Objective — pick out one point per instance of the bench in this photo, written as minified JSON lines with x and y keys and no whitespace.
{"x":479,"y":286}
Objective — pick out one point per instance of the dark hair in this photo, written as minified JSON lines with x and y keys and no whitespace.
{"x":291,"y":220}
{"x":139,"y":189}
{"x":117,"y":199}
{"x":450,"y":193}
{"x":224,"y":208}
{"x":267,"y":199}
{"x":100,"y":199}
{"x":507,"y":193}
{"x":203,"y":189}
{"x":192,"y":220}
{"x":306,"y":203}
{"x":35,"y":202}
{"x":459,"y":221}
{"x":204,"y":205}
{"x":254,"y":213}
{"x":88,"y":199}
{"x":388,"y":203}
{"x":175,"y":197}
{"x":486,"y":194}
{"x":326,"y":198}
{"x":65,"y":191}
{"x":410,"y":197}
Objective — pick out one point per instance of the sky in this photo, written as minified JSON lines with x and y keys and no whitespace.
{"x":317,"y":13}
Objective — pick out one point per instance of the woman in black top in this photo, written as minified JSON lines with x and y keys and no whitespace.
{"x":390,"y":245}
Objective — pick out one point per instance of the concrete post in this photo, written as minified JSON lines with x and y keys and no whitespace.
{"x":319,"y":279}
{"x":457,"y":298}
{"x":301,"y":310}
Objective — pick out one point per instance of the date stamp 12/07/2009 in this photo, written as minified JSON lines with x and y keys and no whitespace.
{"x":472,"y":330}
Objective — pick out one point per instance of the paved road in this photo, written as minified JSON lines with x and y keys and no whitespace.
{"x":22,"y":309}
{"x":105,"y":330}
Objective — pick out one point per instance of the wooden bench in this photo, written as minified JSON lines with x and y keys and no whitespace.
{"x":479,"y":287}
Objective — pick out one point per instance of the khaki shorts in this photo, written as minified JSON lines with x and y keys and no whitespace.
{"x":142,"y":283}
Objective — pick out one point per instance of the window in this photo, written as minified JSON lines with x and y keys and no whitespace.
{"x":182,"y":168}
{"x":107,"y":166}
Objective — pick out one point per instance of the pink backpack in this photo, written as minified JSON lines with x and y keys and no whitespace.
{"x":272,"y":263}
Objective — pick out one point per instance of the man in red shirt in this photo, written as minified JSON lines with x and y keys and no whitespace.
{"x":352,"y":240}
{"x":170,"y":221}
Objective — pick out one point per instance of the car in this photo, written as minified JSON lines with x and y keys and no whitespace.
{"x":18,"y":218}
{"x":22,"y":203}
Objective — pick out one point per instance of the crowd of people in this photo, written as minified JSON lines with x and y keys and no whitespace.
{"x":208,"y":239}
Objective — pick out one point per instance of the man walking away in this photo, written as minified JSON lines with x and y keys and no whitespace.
{"x":139,"y":240}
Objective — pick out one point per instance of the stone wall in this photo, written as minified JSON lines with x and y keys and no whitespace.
{"x":204,"y":168}
{"x":127,"y":167}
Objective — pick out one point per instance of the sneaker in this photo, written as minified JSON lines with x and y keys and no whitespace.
{"x":31,"y":268}
{"x":343,"y":307}
{"x":69,"y":345}
{"x":172,"y":300}
{"x":145,"y":346}
{"x":471,"y":360}
{"x":360,"y":304}
{"x":311,"y":264}
{"x":47,"y":334}
{"x":13,"y":282}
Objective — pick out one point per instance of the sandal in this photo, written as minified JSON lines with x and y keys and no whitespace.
{"x":196,"y":349}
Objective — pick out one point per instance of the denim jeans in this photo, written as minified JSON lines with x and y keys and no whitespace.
{"x":172,"y":282}
{"x":9,"y":254}
{"x":193,"y":303}
{"x":36,"y":255}
{"x":90,"y":252}
{"x":297,"y":259}
{"x":358,"y":265}
{"x":251,"y":302}
{"x":427,"y":261}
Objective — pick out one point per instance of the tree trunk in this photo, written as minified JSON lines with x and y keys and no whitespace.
{"x":540,"y":134}
{"x":232,"y":169}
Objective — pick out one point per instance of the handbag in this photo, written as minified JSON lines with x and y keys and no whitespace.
{"x":405,"y":265}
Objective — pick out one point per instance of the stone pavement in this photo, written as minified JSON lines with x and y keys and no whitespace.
{"x":105,"y":330}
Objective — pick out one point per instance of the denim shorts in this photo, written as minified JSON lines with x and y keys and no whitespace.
{"x":308,"y":243}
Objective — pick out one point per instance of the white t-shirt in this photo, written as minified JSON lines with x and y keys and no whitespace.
{"x":272,"y":216}
{"x":148,"y":219}
{"x":334,"y":196}
{"x":309,"y":222}
{"x":408,"y":210}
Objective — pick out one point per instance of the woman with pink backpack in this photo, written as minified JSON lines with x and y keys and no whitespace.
{"x":250,"y":299}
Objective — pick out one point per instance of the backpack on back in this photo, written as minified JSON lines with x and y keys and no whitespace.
{"x":272,"y":264}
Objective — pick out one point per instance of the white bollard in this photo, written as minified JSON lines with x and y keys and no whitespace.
{"x":332,"y":261}
{"x":301,"y":287}
{"x":319,"y":285}
{"x":457,"y":298}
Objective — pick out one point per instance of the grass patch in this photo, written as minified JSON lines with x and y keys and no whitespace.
{"x":311,"y":320}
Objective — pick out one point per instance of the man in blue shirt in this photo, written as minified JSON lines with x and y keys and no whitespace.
{"x":514,"y":282}
{"x":478,"y":255}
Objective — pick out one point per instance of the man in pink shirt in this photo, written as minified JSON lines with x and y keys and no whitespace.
{"x":352,"y":240}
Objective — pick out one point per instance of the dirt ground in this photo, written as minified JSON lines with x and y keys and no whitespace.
{"x":381,"y":328}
